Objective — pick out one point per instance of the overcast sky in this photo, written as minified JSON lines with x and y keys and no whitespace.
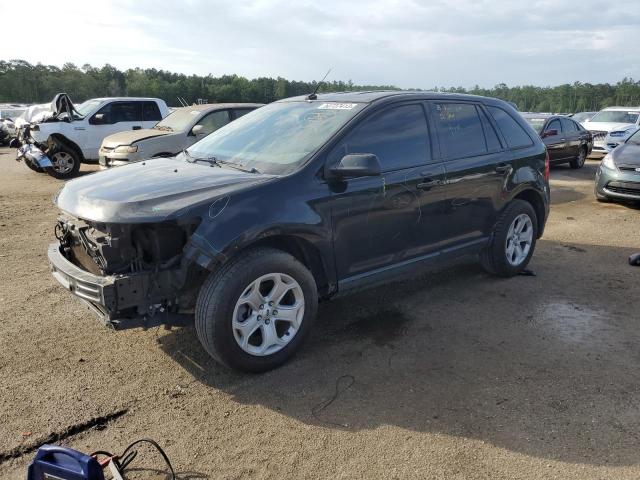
{"x":403,"y":43}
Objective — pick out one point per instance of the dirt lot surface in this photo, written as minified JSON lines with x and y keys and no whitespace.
{"x":453,"y":375}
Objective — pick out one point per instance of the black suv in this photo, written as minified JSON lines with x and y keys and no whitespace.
{"x":297,"y":201}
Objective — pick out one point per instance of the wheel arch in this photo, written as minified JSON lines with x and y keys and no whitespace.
{"x":57,"y":139}
{"x":302,"y":250}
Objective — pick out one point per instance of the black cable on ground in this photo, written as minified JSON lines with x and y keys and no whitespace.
{"x":121,"y":462}
{"x":322,"y":405}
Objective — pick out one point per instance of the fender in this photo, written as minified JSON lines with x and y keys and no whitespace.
{"x":230,"y":224}
{"x":56,"y":140}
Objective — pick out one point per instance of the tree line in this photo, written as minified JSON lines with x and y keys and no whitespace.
{"x":22,"y":82}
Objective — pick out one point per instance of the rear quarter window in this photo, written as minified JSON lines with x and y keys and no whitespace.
{"x":513,"y":133}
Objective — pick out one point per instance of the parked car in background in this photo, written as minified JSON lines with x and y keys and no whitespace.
{"x":177,"y":131}
{"x":71,"y":134}
{"x":618,"y":137}
{"x":295,"y":201}
{"x":608,"y":120}
{"x":618,"y":177}
{"x":581,"y":117}
{"x":8,"y":116}
{"x":566,"y":140}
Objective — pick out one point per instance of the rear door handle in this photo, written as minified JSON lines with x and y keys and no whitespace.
{"x":427,"y":184}
{"x":502,"y":168}
{"x":136,"y":127}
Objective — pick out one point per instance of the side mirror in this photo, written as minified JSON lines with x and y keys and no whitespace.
{"x":197,"y":131}
{"x":357,"y":165}
{"x":550,"y":133}
{"x":99,"y":119}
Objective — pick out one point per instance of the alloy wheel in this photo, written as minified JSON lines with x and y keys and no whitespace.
{"x":62,"y":162}
{"x":519,"y":239}
{"x":268,"y":314}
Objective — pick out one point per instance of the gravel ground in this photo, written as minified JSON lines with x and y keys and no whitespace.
{"x":453,"y":375}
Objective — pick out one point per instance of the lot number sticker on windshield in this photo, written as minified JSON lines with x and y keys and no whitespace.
{"x":337,"y":106}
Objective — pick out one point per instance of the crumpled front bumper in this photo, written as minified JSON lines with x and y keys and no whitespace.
{"x":32,"y":154}
{"x":109,"y":296}
{"x":98,"y":293}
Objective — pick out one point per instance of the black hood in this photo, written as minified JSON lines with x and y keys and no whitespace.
{"x":626,"y":154}
{"x":150,"y":191}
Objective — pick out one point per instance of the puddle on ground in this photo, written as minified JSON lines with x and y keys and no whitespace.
{"x":570,"y":322}
{"x":381,"y":326}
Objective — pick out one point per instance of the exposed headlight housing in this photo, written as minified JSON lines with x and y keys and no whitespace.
{"x":126,"y":149}
{"x":608,"y":162}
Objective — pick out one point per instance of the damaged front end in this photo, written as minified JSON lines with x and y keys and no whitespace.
{"x":130,"y":275}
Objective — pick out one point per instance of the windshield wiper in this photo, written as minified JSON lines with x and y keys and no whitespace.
{"x":210,"y":160}
{"x":238,"y":166}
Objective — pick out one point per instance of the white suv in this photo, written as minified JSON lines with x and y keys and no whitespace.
{"x":73,"y":134}
{"x":608,"y":120}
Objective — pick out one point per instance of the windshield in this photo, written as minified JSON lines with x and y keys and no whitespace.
{"x":179,"y":120}
{"x":87,"y":107}
{"x":582,"y":116}
{"x":635,"y":138}
{"x":277,"y":138}
{"x":615,"y":116}
{"x":536,"y":123}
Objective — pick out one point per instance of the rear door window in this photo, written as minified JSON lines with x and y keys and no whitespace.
{"x":398,"y":136}
{"x":512,"y":131}
{"x":459,"y":130}
{"x":151,"y":112}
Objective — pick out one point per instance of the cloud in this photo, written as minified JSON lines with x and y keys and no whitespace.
{"x":402,"y":42}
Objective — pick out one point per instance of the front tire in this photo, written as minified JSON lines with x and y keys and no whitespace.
{"x":254,"y":313}
{"x":513,"y":242}
{"x":66,"y":163}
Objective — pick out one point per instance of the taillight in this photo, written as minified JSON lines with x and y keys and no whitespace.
{"x":546,"y":167}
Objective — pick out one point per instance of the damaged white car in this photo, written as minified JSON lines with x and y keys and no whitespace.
{"x":71,"y":135}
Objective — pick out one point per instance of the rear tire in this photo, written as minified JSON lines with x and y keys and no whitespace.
{"x":66,"y":163}
{"x":578,"y":162}
{"x":513,"y":241}
{"x":237,"y":318}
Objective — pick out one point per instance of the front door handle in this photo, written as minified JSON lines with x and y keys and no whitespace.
{"x":503,"y":167}
{"x":136,"y":127}
{"x":427,"y":184}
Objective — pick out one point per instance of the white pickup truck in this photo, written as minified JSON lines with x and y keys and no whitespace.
{"x":72,"y":134}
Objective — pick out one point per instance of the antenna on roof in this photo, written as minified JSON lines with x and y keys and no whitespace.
{"x":313,"y":95}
